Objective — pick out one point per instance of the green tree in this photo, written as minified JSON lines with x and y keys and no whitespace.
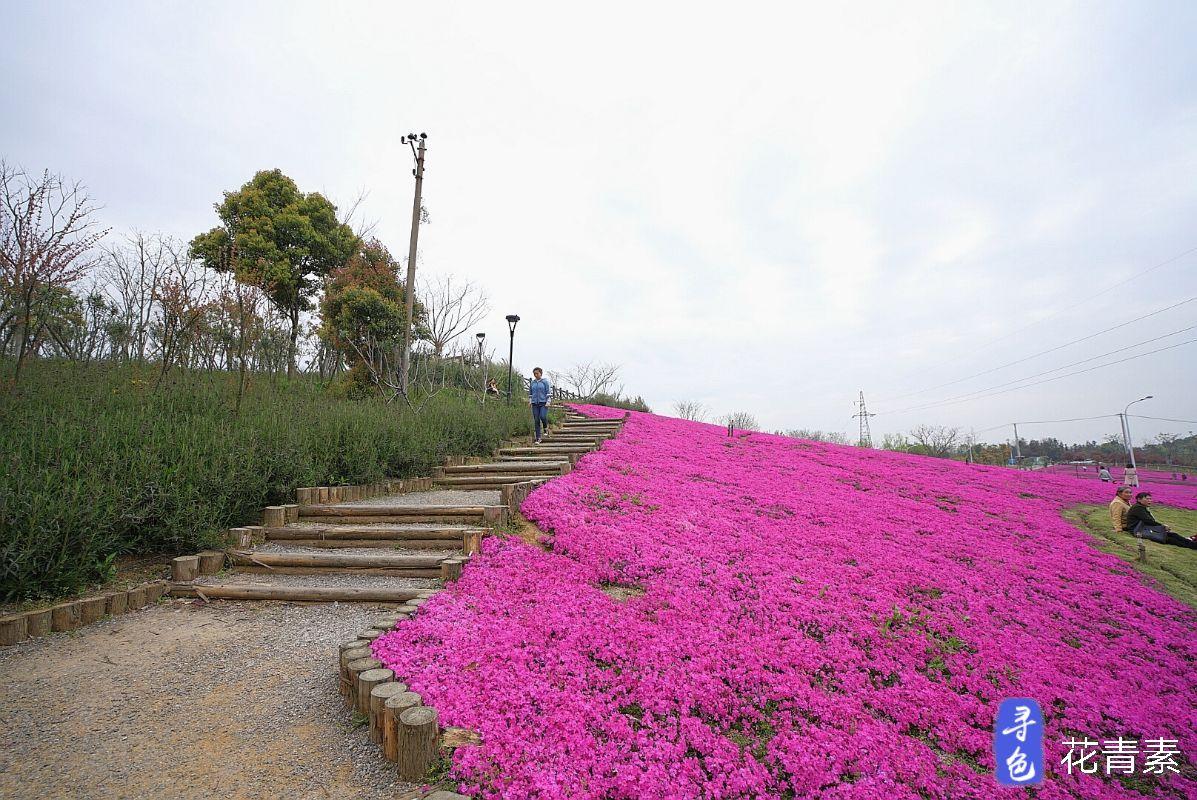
{"x":363,"y":310}
{"x":276,"y":237}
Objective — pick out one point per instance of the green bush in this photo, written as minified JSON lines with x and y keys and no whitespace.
{"x":95,"y":463}
{"x":614,"y":401}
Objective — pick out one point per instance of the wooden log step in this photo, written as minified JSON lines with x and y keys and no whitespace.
{"x":340,"y":561}
{"x":505,"y":466}
{"x":393,"y":534}
{"x":551,"y":449}
{"x":315,"y":594}
{"x":393,"y":511}
{"x":484,"y":481}
{"x":381,"y":544}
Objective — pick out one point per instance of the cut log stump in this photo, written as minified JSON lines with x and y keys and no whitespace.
{"x":14,"y":630}
{"x":378,"y":698}
{"x":366,"y":681}
{"x":38,"y":623}
{"x":417,"y":738}
{"x":92,"y":609}
{"x":185,"y":568}
{"x":65,"y":617}
{"x":392,"y":709}
{"x":211,"y":562}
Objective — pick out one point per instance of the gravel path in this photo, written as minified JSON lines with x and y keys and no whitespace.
{"x":437,"y":497}
{"x":335,"y":579}
{"x":287,"y":547}
{"x":230,"y":700}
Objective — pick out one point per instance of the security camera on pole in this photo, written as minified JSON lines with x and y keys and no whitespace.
{"x":410,"y":289}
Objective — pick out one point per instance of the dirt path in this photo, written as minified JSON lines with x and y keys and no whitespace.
{"x":229,"y":700}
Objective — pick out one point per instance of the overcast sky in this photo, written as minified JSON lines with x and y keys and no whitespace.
{"x":762,"y":208}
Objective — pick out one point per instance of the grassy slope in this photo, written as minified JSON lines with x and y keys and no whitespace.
{"x":1174,"y":568}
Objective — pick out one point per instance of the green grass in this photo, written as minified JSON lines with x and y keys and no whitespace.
{"x":96,"y":464}
{"x":1173,"y":568}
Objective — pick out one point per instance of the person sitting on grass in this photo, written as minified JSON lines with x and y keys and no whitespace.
{"x":1119,"y":506}
{"x":1141,"y":522}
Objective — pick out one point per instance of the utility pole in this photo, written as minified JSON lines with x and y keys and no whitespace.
{"x":972,"y":440}
{"x":1126,"y":432}
{"x":410,"y":288}
{"x":865,"y":436}
{"x":1017,"y":452}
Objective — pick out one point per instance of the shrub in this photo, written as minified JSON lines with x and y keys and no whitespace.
{"x":94,"y":463}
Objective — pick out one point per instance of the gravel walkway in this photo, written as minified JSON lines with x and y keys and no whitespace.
{"x":232,"y":701}
{"x":332,"y":579}
{"x":287,"y":547}
{"x":437,"y":497}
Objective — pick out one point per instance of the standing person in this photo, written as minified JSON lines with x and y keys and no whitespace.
{"x":1104,"y":473}
{"x":538,"y":397}
{"x":1131,"y":476}
{"x":1119,"y":506}
{"x":1141,"y":522}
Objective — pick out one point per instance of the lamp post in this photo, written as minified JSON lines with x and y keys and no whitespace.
{"x":1126,"y":434}
{"x":409,"y":288}
{"x":512,"y":321}
{"x":485,"y":373}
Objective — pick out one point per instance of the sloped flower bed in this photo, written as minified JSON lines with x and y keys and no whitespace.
{"x":765,"y":617}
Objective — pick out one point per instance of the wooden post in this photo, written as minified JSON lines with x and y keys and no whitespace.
{"x":136,"y":598}
{"x":322,"y":494}
{"x":451,"y":569}
{"x":37,"y":623}
{"x":355,"y":668}
{"x":211,"y":562}
{"x":392,"y":709}
{"x":369,"y":633}
{"x":184,"y":568}
{"x":117,"y":603}
{"x":274,"y":517}
{"x":418,"y":732}
{"x":378,"y":698}
{"x":366,"y":681}
{"x":65,"y":616}
{"x":1142,"y":548}
{"x":154,"y":592}
{"x":304,"y":496}
{"x":241,"y":537}
{"x":13,"y":629}
{"x":472,"y":542}
{"x":347,"y":655}
{"x":291,"y":514}
{"x":92,"y":609}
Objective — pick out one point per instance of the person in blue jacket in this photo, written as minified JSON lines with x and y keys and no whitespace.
{"x":538,"y":397}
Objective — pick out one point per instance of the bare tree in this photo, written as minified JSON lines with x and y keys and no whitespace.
{"x":741,"y":421}
{"x":936,"y":440}
{"x":834,"y":437}
{"x":691,"y":410}
{"x":182,"y":301}
{"x":47,"y":238}
{"x":589,"y":379}
{"x":452,"y":309}
{"x":134,"y":269}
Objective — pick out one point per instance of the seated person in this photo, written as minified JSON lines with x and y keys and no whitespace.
{"x":1119,"y":506}
{"x":1140,"y":522}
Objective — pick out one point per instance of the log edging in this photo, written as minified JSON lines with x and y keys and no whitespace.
{"x":74,"y":614}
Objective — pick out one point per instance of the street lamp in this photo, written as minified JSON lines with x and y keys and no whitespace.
{"x":512,"y":321}
{"x":1126,"y":434}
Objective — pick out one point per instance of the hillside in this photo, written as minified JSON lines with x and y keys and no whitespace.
{"x":765,"y":617}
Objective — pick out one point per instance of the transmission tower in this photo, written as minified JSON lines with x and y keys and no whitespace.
{"x":865,"y":438}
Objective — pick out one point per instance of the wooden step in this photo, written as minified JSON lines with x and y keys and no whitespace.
{"x":542,"y":448}
{"x":312,"y":563}
{"x":507,"y":466}
{"x":381,"y":544}
{"x":490,"y":481}
{"x":313,"y":594}
{"x":390,"y":534}
{"x":366,"y":514}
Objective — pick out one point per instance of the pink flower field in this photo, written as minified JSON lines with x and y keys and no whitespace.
{"x":761,"y":617}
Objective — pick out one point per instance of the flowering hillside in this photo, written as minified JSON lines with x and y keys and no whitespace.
{"x":766,"y":617}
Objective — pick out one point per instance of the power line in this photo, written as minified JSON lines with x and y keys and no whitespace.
{"x":1045,"y":352}
{"x":1109,"y":288}
{"x":1164,"y":419}
{"x":934,"y":403}
{"x":1047,"y":380}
